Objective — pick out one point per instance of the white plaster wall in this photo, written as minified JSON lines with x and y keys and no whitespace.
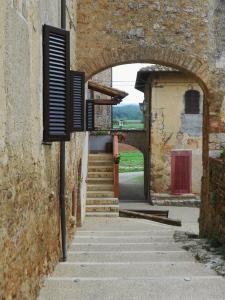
{"x":84,"y":174}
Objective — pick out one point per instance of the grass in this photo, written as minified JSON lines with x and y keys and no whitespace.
{"x":130,"y":126}
{"x":131,"y":162}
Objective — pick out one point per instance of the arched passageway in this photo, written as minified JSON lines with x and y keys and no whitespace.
{"x":112,"y":33}
{"x":205,"y":116}
{"x":131,"y":174}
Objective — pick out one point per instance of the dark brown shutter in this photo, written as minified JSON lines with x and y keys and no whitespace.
{"x":56,"y":84}
{"x":90,"y":114}
{"x":192,"y":102}
{"x":77,"y":90}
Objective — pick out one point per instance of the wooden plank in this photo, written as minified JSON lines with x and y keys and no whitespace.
{"x":162,"y":213}
{"x":151,"y":217}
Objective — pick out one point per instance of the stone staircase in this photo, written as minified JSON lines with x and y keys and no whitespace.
{"x":130,"y":259}
{"x":100,"y":187}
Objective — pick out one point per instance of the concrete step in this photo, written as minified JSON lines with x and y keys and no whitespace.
{"x":156,"y":256}
{"x":163,"y":196}
{"x":165,"y":288}
{"x":100,"y":169}
{"x":100,"y":187}
{"x":100,"y":156}
{"x":102,"y":214}
{"x":102,"y":208}
{"x":100,"y":180}
{"x":109,"y":247}
{"x":100,"y":163}
{"x":99,"y":194}
{"x":140,"y":269}
{"x":101,"y":201}
{"x":125,"y":233}
{"x":132,"y":239}
{"x":101,"y":174}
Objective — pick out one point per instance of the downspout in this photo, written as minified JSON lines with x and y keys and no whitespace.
{"x":62,"y":164}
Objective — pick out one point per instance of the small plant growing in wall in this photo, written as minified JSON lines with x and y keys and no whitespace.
{"x":213,"y":199}
{"x":117,"y":159}
{"x":222,"y":154}
{"x":215,"y":240}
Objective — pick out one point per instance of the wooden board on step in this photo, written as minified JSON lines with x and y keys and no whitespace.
{"x":148,"y":216}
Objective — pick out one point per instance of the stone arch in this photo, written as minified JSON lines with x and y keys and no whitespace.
{"x":138,"y":54}
{"x":186,"y":62}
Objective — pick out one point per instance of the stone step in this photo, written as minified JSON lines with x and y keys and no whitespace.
{"x":100,"y":163}
{"x":100,"y":174}
{"x":146,"y":269}
{"x":135,"y":239}
{"x":125,"y":233}
{"x":102,"y":208}
{"x":101,"y":201}
{"x":95,"y":194}
{"x":120,"y":246}
{"x":100,"y":187}
{"x":100,"y":156}
{"x":165,"y":288}
{"x":156,"y":256}
{"x":102,"y":214}
{"x":107,"y":180}
{"x":100,"y":169}
{"x":161,"y":196}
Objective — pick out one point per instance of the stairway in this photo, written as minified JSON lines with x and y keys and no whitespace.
{"x":130,"y":259}
{"x":100,"y":187}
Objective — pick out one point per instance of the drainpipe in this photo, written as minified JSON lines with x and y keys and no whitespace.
{"x":62,"y":164}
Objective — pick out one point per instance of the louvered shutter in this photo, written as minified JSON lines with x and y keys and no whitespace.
{"x":77,"y":100}
{"x":56,"y":84}
{"x":90,"y":114}
{"x":181,"y":169}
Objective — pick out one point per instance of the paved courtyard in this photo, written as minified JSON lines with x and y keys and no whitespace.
{"x":121,"y":258}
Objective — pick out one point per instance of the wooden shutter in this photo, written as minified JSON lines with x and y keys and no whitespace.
{"x":192,"y":102}
{"x":181,"y":172}
{"x":56,"y":84}
{"x":90,"y":114}
{"x":77,"y":100}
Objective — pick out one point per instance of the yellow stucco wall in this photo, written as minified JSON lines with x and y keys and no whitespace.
{"x":172,"y":129}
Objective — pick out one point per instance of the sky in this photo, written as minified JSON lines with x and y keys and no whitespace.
{"x":124,"y":77}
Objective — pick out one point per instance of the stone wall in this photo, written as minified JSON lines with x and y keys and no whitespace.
{"x":184,"y":34}
{"x":214,"y":227}
{"x":103,"y":113}
{"x":29,"y":169}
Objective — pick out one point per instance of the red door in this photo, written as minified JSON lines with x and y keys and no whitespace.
{"x":181,"y":172}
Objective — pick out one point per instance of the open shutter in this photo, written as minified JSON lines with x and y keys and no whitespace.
{"x":56,"y":84}
{"x":77,"y":100}
{"x":90,"y":115}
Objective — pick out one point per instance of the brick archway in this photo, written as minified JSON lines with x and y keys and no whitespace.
{"x":184,"y":62}
{"x":168,"y":57}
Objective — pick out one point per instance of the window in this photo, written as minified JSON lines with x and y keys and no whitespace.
{"x":192,"y":102}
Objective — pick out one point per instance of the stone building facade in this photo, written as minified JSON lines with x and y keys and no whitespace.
{"x":29,"y":169}
{"x":172,"y":128}
{"x":103,"y":113}
{"x":185,"y":34}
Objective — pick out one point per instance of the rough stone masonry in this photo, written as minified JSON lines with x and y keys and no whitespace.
{"x":185,"y":34}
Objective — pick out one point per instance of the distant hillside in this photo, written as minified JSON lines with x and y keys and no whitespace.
{"x":127,"y":112}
